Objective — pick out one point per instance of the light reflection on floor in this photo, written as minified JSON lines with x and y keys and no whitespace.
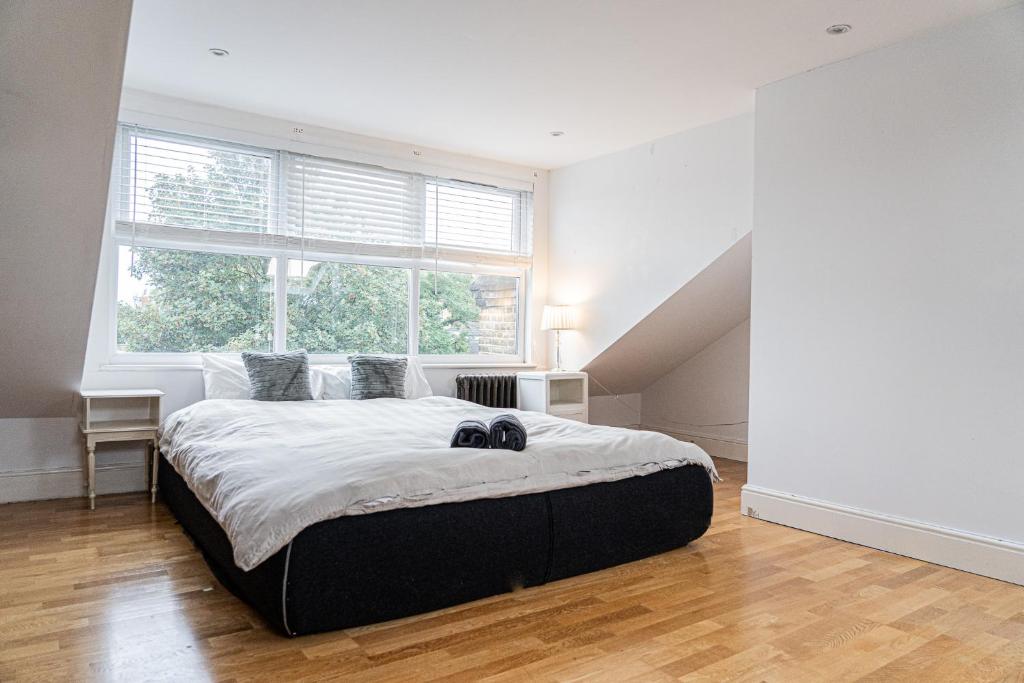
{"x":147,"y":636}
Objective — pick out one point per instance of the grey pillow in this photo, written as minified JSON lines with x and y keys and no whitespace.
{"x":377,"y":377}
{"x":278,"y":376}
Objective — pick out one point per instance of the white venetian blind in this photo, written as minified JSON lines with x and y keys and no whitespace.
{"x":477,"y":218}
{"x":175,"y":180}
{"x":192,"y":191}
{"x":354,"y":203}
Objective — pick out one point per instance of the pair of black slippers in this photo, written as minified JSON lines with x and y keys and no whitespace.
{"x":504,"y":431}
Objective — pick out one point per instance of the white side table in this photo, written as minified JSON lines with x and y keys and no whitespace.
{"x":562,"y":394}
{"x":121,"y":415}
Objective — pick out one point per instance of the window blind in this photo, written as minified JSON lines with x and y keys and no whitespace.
{"x":477,"y":218}
{"x":341,"y":201}
{"x":187,"y":190}
{"x":193,"y":183}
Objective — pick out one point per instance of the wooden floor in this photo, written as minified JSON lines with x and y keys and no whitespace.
{"x":120,"y":594}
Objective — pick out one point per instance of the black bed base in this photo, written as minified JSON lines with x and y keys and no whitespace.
{"x":363,"y":569}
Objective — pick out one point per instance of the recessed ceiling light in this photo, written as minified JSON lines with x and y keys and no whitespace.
{"x":838,"y":29}
{"x":557,"y":133}
{"x":218,"y":52}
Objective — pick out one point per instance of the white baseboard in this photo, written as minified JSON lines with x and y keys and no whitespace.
{"x":720,"y":447}
{"x":69,"y":482}
{"x":982,"y":555}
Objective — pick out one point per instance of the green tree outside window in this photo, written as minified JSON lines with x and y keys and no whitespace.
{"x":208,"y":302}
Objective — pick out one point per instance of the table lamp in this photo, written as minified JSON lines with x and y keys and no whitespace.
{"x":558,"y":318}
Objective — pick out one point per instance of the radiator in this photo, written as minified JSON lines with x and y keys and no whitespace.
{"x":493,"y":391}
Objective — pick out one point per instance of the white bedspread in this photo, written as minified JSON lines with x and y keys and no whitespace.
{"x":268,"y":470}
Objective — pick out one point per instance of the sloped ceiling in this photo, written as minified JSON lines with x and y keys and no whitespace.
{"x":61,"y":65}
{"x":710,"y":304}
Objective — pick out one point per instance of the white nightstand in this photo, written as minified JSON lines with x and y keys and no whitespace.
{"x":562,"y":394}
{"x":120,"y":415}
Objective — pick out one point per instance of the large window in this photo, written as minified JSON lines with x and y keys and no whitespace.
{"x":463,"y":313}
{"x":172,"y":300}
{"x":347,"y":308}
{"x":223,"y":247}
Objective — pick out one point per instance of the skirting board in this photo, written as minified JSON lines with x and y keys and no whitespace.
{"x":992,"y":557}
{"x":730,"y":449}
{"x":70,"y":482}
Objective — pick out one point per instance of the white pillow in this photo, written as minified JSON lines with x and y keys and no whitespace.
{"x":416,"y":384}
{"x":335,"y":381}
{"x":226,"y":377}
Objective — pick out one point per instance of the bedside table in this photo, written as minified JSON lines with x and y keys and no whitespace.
{"x":561,"y":394}
{"x":121,"y":415}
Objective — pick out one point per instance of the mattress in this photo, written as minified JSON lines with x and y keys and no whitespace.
{"x":356,"y":570}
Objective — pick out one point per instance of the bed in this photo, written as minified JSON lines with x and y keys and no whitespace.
{"x":324,"y":515}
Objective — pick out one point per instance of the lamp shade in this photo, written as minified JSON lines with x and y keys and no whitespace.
{"x":558,"y":318}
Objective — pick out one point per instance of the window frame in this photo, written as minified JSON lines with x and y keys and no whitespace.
{"x":415,"y":267}
{"x":518,"y":266}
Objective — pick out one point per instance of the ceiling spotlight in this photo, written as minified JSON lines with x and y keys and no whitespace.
{"x":557,"y":133}
{"x":218,"y":52}
{"x":838,"y":29}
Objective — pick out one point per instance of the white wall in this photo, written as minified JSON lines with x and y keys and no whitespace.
{"x":698,"y":401}
{"x":887,"y":330}
{"x":41,"y":458}
{"x":629,"y":229}
{"x":622,"y":410}
{"x":60,"y":75}
{"x":704,"y":398}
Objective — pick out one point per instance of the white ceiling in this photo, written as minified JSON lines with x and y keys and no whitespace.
{"x":492,"y":77}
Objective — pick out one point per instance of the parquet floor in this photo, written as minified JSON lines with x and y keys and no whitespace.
{"x":120,"y":594}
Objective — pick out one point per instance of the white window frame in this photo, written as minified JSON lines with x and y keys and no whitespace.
{"x":189,"y":359}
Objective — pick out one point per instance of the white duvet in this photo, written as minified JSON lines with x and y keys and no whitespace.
{"x":267,"y":470}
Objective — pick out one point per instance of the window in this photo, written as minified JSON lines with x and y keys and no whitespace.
{"x":353,"y":204}
{"x":224,"y":247}
{"x":175,"y":181}
{"x":342,"y":308}
{"x":464,"y":216}
{"x":461,"y":313}
{"x":171,"y":300}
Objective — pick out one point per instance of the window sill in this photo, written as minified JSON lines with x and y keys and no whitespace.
{"x":148,"y":367}
{"x":164,"y":367}
{"x":480,"y":366}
